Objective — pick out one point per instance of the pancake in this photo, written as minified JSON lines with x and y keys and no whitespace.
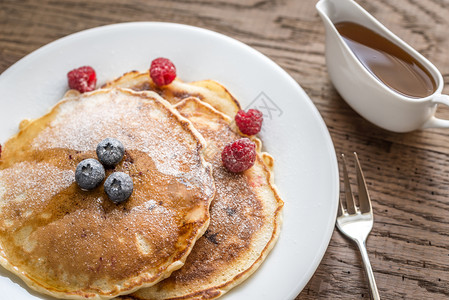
{"x":76,"y":244}
{"x":245,"y":219}
{"x":208,"y":91}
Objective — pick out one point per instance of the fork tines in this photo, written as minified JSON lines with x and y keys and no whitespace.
{"x":363,"y":197}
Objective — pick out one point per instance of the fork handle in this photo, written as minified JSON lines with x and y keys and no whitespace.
{"x":369,"y":271}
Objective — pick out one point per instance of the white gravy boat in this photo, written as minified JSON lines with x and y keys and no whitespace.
{"x":366,"y":94}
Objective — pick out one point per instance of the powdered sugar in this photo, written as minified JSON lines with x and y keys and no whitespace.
{"x":81,"y":124}
{"x":34,"y":181}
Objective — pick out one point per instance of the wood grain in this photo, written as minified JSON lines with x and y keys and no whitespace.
{"x":407,"y":174}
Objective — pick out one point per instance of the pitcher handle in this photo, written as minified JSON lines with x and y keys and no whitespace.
{"x":435,"y":122}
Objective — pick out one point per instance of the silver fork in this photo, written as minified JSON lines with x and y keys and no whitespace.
{"x":355,"y":221}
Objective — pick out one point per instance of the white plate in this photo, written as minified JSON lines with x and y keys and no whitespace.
{"x":306,"y":171}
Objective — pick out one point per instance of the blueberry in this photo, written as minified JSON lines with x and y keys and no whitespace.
{"x":89,"y":174}
{"x":110,"y":152}
{"x":118,"y":186}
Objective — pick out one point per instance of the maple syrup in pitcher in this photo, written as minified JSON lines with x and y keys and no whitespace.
{"x":389,"y":63}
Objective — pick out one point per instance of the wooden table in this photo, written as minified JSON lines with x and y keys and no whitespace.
{"x":407,"y":174}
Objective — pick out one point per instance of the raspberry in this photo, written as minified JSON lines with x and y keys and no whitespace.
{"x":239,"y":155}
{"x":82,"y":79}
{"x":162,"y":71}
{"x":249,"y":122}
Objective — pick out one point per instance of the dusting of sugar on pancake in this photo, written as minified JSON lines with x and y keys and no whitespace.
{"x":93,"y":120}
{"x":33,"y":182}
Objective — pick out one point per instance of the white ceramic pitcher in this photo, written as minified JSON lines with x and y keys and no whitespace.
{"x":361,"y":89}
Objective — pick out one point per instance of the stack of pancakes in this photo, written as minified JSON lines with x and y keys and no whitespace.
{"x":190,"y":230}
